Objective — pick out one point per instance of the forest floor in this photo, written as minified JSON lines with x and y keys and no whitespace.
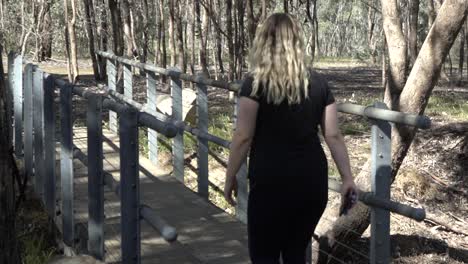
{"x":434,"y":174}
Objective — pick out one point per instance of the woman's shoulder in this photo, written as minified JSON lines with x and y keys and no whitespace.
{"x":316,"y":77}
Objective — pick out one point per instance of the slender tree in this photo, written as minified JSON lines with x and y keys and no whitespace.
{"x":410,"y":95}
{"x":89,"y":22}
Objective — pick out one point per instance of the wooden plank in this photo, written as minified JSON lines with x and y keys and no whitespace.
{"x":206,"y":233}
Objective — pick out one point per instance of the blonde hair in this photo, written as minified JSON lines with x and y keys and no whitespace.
{"x":277,"y":61}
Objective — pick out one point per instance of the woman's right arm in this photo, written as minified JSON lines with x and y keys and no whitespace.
{"x":335,"y":142}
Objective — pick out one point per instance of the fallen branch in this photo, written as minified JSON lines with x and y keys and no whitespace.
{"x":434,"y":220}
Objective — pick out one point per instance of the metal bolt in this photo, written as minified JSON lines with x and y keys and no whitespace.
{"x":380,"y":136}
{"x":381,"y":155}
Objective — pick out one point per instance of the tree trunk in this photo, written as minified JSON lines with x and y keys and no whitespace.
{"x":145,"y":13}
{"x":73,"y":71}
{"x":102,"y":32}
{"x":264,"y":10}
{"x":230,"y":43}
{"x":38,"y":17}
{"x":172,"y":32}
{"x":116,"y":22}
{"x":127,"y":28}
{"x":8,"y":242}
{"x":413,"y":99}
{"x":45,"y":50}
{"x":201,"y":28}
{"x":413,"y":30}
{"x":181,"y":59}
{"x":251,"y":23}
{"x":163,"y":34}
{"x":219,"y":45}
{"x":396,"y":45}
{"x":461,"y":56}
{"x":240,"y":40}
{"x":430,"y":12}
{"x":88,"y":5}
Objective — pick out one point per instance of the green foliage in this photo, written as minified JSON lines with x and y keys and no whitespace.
{"x":451,"y":106}
{"x":220,"y":125}
{"x":36,"y":250}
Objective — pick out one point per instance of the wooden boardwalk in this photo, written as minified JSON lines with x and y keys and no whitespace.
{"x":206,"y":233}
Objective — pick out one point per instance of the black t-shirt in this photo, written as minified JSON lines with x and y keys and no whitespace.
{"x":286,"y":142}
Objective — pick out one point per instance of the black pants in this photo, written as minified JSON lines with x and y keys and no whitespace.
{"x":281,"y":221}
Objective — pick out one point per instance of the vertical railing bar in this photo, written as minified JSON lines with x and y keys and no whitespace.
{"x":128,"y":81}
{"x":242,"y":185}
{"x":178,"y":141}
{"x":380,"y":185}
{"x":28,"y":121}
{"x":49,"y":147}
{"x":111,"y":68}
{"x":130,"y":186}
{"x":18,"y":103}
{"x":151,"y":102}
{"x":95,"y":177}
{"x":66,"y":167}
{"x":202,"y":119}
{"x":38,"y":124}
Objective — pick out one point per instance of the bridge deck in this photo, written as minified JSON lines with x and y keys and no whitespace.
{"x":206,"y":233}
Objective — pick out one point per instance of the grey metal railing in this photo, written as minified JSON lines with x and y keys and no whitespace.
{"x":39,"y":148}
{"x":32,"y":103}
{"x":379,"y":197}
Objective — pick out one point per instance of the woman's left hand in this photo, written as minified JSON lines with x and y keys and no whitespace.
{"x":230,"y":188}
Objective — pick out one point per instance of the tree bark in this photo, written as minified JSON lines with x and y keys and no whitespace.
{"x":145,"y":13}
{"x":230,"y":43}
{"x":202,"y":37}
{"x":172,"y":44}
{"x":430,"y":12}
{"x":102,"y":32}
{"x":73,"y":71}
{"x":116,"y":22}
{"x":88,"y":5}
{"x":240,"y":39}
{"x":396,"y":45}
{"x":45,"y":50}
{"x":413,"y":99}
{"x":413,"y":30}
{"x":9,"y":252}
{"x":461,"y":56}
{"x":181,"y":58}
{"x":219,"y":44}
{"x":127,"y":29}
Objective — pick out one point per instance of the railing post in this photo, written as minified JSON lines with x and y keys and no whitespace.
{"x":49,"y":146}
{"x":242,"y":185}
{"x":128,"y":81}
{"x":202,"y":125}
{"x":130,"y":186}
{"x":381,"y":180}
{"x":28,"y":121}
{"x":95,"y":178}
{"x":151,"y":102}
{"x":178,"y":141}
{"x":111,"y":67}
{"x":17,"y":89}
{"x":38,"y":123}
{"x":66,"y":166}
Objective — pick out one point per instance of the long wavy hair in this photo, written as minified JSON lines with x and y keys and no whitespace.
{"x":277,"y":61}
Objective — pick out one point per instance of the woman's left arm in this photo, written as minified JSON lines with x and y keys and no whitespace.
{"x":243,"y":136}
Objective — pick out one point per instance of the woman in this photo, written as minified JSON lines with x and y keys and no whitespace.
{"x":281,"y":105}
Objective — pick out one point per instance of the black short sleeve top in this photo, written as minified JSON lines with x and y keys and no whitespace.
{"x":286,"y":138}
